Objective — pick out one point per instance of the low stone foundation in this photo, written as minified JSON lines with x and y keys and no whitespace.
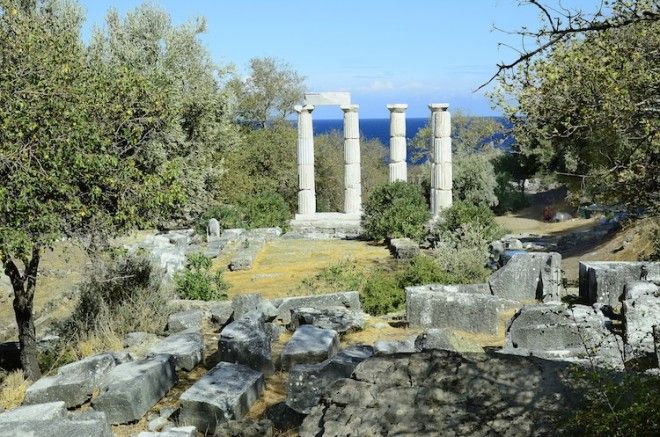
{"x":325,"y":225}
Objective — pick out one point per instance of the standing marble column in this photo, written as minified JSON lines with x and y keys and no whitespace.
{"x":352,"y":173}
{"x":307,"y":193}
{"x":398,"y":166}
{"x":441,"y":170}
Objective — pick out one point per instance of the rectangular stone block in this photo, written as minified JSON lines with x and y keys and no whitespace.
{"x":88,"y":424}
{"x":347,"y":299}
{"x":528,"y":277}
{"x":225,"y":393}
{"x":352,"y":151}
{"x":306,"y":176}
{"x":470,"y":312}
{"x":187,"y":347}
{"x":132,"y":388}
{"x":604,"y":281}
{"x":330,"y":98}
{"x":309,"y":345}
{"x":397,"y":149}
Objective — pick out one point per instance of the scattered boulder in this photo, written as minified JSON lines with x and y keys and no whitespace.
{"x":246,"y":303}
{"x":338,"y":318}
{"x":347,"y":299}
{"x":403,"y":248}
{"x":225,"y":393}
{"x":309,"y":344}
{"x":556,"y":331}
{"x":246,"y":341}
{"x":131,"y":389}
{"x":641,"y":311}
{"x":136,"y":339}
{"x":392,"y":347}
{"x":308,"y":381}
{"x":444,"y":393}
{"x":528,"y":277}
{"x":283,"y":417}
{"x":73,"y":383}
{"x":187,"y":347}
{"x":191,"y":319}
{"x":53,"y":420}
{"x":245,"y":428}
{"x":604,"y":281}
{"x":213,"y":228}
{"x":466,"y":310}
{"x":221,"y":313}
{"x":181,"y":431}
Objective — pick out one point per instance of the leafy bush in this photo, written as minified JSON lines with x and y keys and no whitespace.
{"x":265,"y":210}
{"x":509,"y":197}
{"x":474,"y":179}
{"x":395,"y":210}
{"x":228,"y":216}
{"x":381,"y":294}
{"x":422,"y":269}
{"x":615,"y":406}
{"x":198,"y":283}
{"x":479,"y":216}
{"x":463,"y":254}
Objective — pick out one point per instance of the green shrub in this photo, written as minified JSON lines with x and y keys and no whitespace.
{"x":478,"y":216}
{"x":510,"y":198}
{"x":396,"y":210}
{"x":421,"y":270}
{"x":381,"y":294}
{"x":265,"y":210}
{"x":198,"y":283}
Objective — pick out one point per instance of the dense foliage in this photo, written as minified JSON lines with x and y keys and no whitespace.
{"x":394,"y":210}
{"x":197,"y":282}
{"x":588,"y":110}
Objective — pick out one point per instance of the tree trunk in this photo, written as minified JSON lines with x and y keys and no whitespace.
{"x":24,"y":287}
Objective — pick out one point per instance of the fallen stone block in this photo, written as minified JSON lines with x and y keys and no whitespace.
{"x":469,"y":312}
{"x":347,"y":299}
{"x":403,"y":248}
{"x":246,"y":303}
{"x":246,"y":341}
{"x":528,"y":277}
{"x":445,"y":339}
{"x":307,"y":382}
{"x":191,"y":319}
{"x":558,"y":332}
{"x":338,"y":318}
{"x":131,"y":389}
{"x":181,"y":431}
{"x":604,"y":281}
{"x":309,"y":344}
{"x":641,"y":311}
{"x":187,"y":347}
{"x":245,"y":428}
{"x":52,"y":420}
{"x":73,"y":383}
{"x":225,"y":393}
{"x":392,"y":347}
{"x":283,"y":417}
{"x":246,"y":254}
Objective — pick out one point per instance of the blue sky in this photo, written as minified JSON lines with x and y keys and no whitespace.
{"x":385,"y":51}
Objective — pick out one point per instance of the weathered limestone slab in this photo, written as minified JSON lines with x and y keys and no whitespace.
{"x":528,"y":277}
{"x":246,"y":341}
{"x":403,"y":248}
{"x":556,"y":331}
{"x":308,"y":381}
{"x":309,"y":344}
{"x":30,"y":413}
{"x":187,"y":348}
{"x":338,"y":318}
{"x":347,"y":299}
{"x":470,"y":312}
{"x":246,"y":254}
{"x":88,"y":424}
{"x":392,"y":347}
{"x":641,"y":311}
{"x":131,"y":389}
{"x":226,"y":392}
{"x":73,"y":383}
{"x":325,"y":226}
{"x":246,"y":303}
{"x":603,"y":281}
{"x":191,"y":319}
{"x":181,"y":431}
{"x":328,"y":98}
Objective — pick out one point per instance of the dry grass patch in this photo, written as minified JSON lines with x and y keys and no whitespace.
{"x":12,"y":390}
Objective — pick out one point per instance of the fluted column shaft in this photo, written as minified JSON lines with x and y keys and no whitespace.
{"x":307,"y":192}
{"x":441,"y":160}
{"x":398,"y":152}
{"x":352,"y":172}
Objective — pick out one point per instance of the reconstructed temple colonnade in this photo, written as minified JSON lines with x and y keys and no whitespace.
{"x":441,"y":157}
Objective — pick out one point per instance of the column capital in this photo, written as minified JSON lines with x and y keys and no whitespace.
{"x":301,"y":108}
{"x":397,"y":107}
{"x":349,"y":108}
{"x":435,"y":107}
